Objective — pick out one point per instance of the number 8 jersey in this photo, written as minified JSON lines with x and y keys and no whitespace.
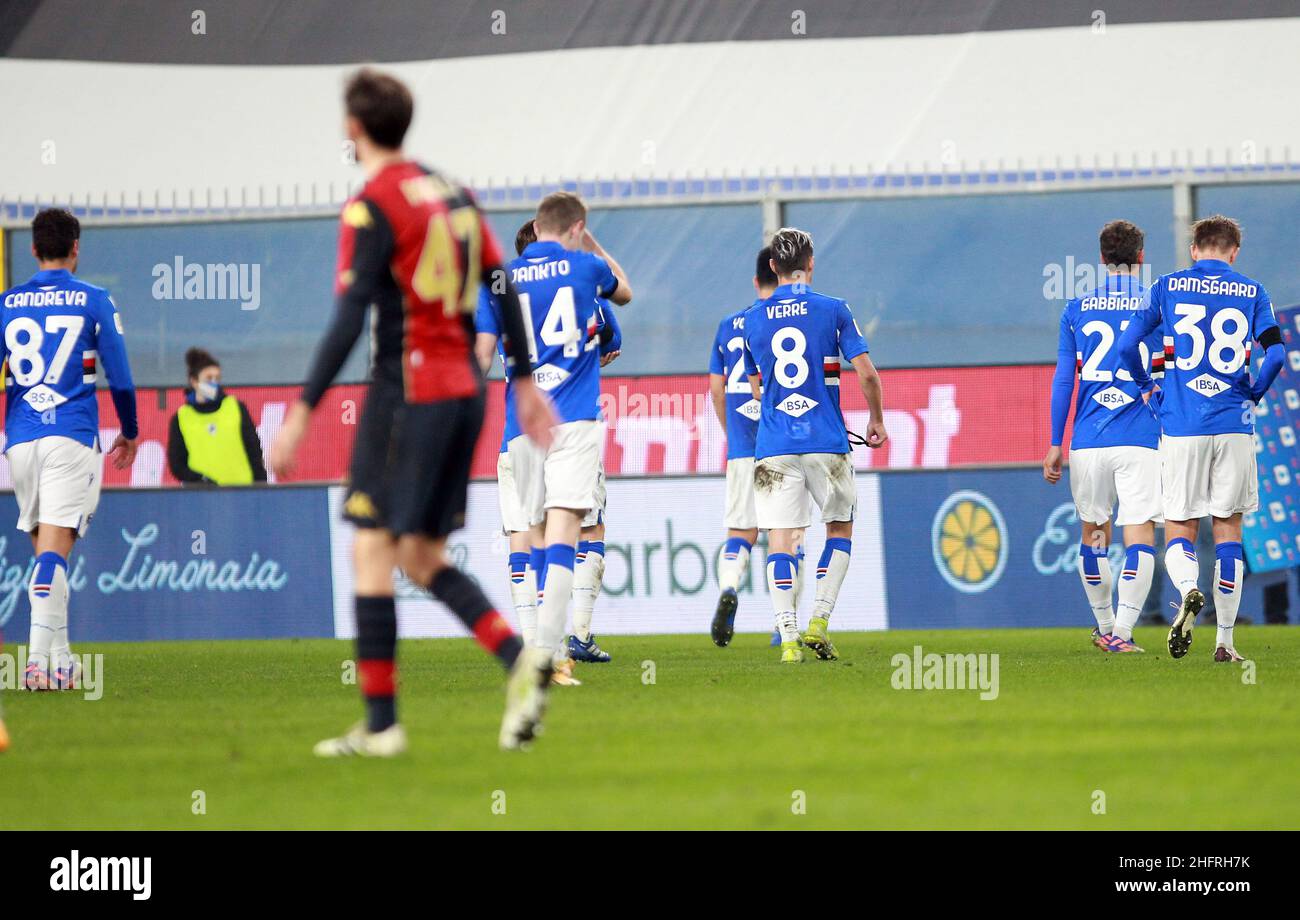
{"x":1108,"y":410}
{"x":793,"y":341}
{"x":1208,"y":315}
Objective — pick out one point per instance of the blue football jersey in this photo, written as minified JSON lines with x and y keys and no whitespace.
{"x":1108,"y":409}
{"x":793,"y":341}
{"x":57,"y":330}
{"x":728,"y":360}
{"x":1208,"y":315}
{"x":488,"y":319}
{"x":558,"y":289}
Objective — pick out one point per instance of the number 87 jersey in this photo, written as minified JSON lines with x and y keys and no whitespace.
{"x":793,"y":342}
{"x":1208,"y":315}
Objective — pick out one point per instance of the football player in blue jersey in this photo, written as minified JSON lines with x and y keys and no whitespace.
{"x":1208,"y":314}
{"x":1114,"y":448}
{"x":560,"y":277}
{"x":527,"y":548}
{"x":57,"y":329}
{"x":793,"y":343}
{"x":737,"y":411}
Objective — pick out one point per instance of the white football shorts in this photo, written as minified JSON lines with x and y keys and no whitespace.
{"x":56,"y":481}
{"x":1208,"y":474}
{"x":783,"y":485}
{"x":1129,"y":475}
{"x":740,"y":495}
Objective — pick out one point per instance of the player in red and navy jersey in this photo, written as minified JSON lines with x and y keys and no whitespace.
{"x":414,"y":247}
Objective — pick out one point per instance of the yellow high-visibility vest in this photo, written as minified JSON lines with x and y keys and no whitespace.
{"x":215,"y":443}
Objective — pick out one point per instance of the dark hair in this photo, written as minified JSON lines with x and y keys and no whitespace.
{"x":382,"y":104}
{"x":1121,"y":241}
{"x":527,"y":234}
{"x":763,"y":273}
{"x":1216,"y":232}
{"x":196,"y":359}
{"x":792,"y":250}
{"x":559,"y":211}
{"x":54,"y":230}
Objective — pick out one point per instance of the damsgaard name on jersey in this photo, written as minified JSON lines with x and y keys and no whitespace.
{"x":58,"y":298}
{"x":1192,"y":285}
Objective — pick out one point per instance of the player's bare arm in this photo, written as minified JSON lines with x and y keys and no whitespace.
{"x":623,"y":295}
{"x":485,"y":350}
{"x":869,"y":381}
{"x":717,"y":391}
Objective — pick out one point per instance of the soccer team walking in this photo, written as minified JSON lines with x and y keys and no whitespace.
{"x":1163,"y":423}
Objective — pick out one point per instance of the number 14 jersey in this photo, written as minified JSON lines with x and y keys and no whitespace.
{"x":793,"y":341}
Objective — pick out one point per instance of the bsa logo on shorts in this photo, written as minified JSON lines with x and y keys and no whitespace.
{"x":797,"y":405}
{"x":969,"y":541}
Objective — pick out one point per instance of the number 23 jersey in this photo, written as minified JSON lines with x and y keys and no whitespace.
{"x":793,"y":341}
{"x":1108,"y":408}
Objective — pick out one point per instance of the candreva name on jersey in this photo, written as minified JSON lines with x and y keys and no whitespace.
{"x":1191,"y":284}
{"x":55,"y":298}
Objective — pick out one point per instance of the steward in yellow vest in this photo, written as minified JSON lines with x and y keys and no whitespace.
{"x":213,"y":441}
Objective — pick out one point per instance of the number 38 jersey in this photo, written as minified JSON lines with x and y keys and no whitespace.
{"x":1208,"y":315}
{"x":558,"y":289}
{"x":57,"y":329}
{"x":793,"y":341}
{"x":1108,"y":408}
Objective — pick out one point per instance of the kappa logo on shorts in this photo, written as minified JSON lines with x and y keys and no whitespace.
{"x":969,"y":541}
{"x":360,"y":506}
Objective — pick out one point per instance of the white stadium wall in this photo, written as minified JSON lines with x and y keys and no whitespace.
{"x":1198,"y":91}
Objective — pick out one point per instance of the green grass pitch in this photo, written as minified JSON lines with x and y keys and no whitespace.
{"x":722,"y":738}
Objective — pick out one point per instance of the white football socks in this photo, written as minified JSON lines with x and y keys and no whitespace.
{"x":1134,"y":586}
{"x":831,"y":569}
{"x":1182,"y":565}
{"x":554,"y":606}
{"x":523,"y":594}
{"x":732,"y":563}
{"x":1094,"y":572}
{"x":780,"y":583}
{"x":588,"y":574}
{"x":48,"y":592}
{"x":1229,"y":575}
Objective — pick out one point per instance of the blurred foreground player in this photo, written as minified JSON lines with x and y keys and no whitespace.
{"x":1114,"y":448}
{"x":1208,"y":313}
{"x":415,"y":246}
{"x":56,"y":328}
